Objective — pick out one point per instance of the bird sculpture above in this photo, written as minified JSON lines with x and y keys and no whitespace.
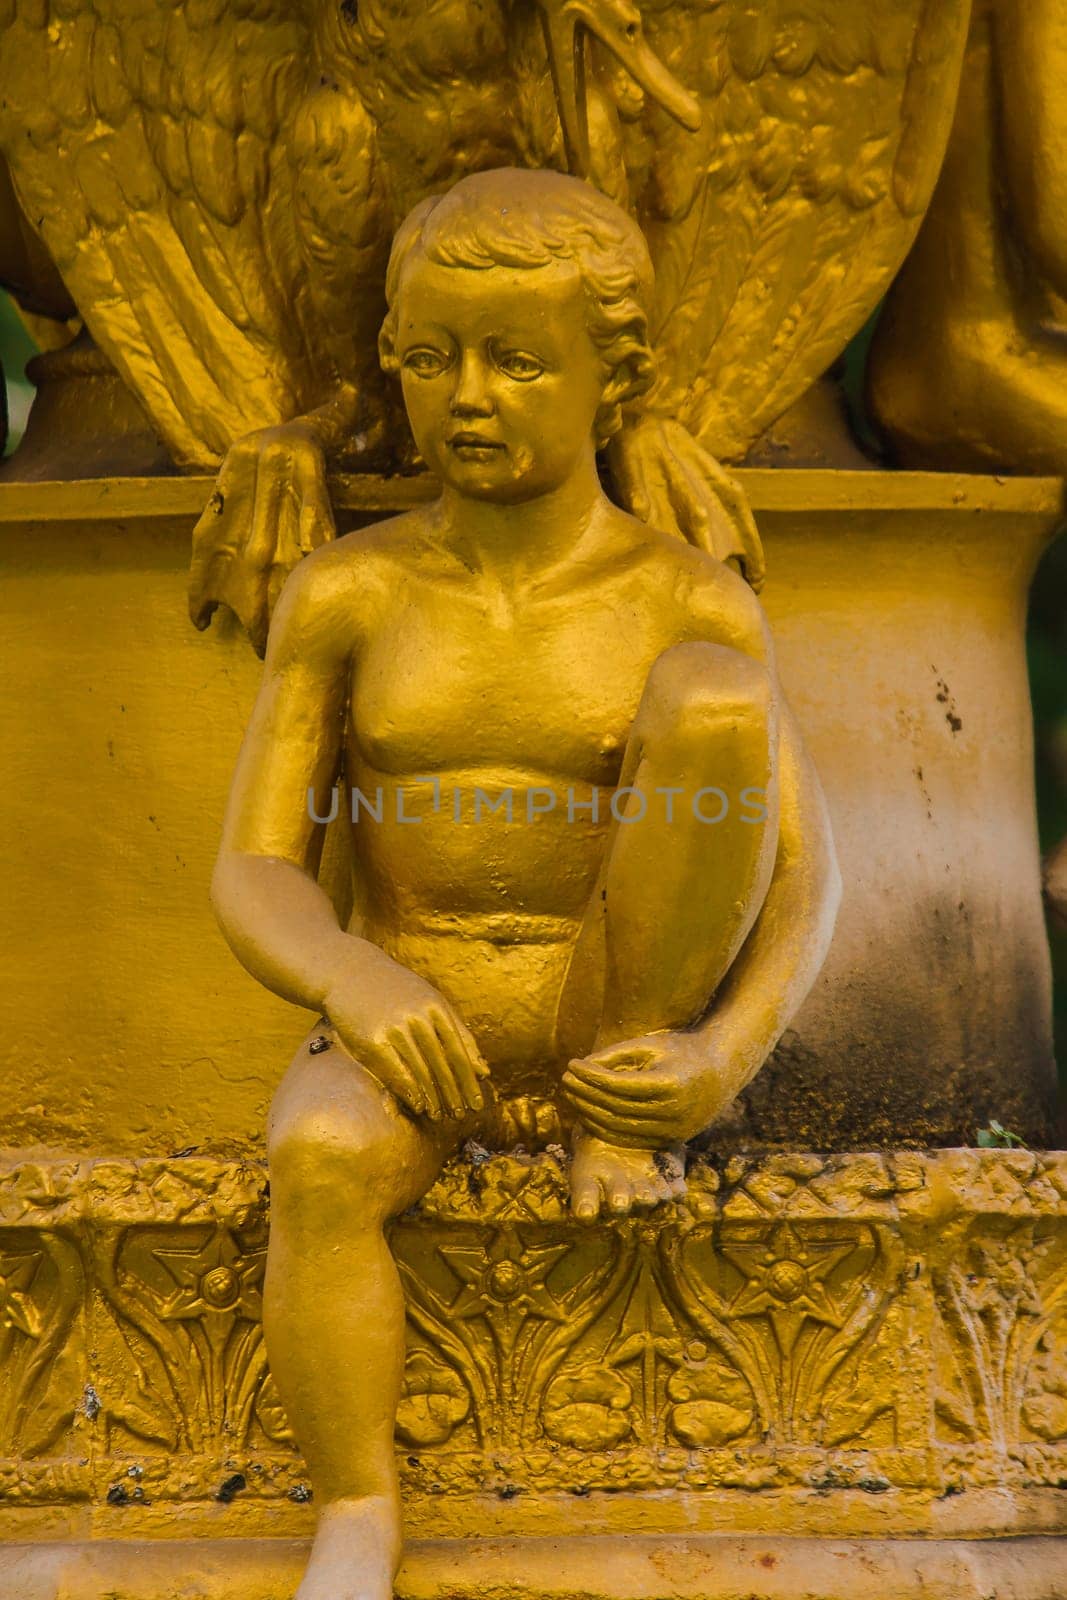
{"x":217,"y":182}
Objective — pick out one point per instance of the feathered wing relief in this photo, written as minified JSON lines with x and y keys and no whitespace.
{"x":148,"y":143}
{"x":217,"y":182}
{"x":776,"y":228}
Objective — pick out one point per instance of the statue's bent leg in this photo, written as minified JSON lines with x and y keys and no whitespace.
{"x":688,"y":867}
{"x":344,"y":1159}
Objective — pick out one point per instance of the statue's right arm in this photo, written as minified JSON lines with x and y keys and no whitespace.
{"x":277,"y":919}
{"x":279,"y":922}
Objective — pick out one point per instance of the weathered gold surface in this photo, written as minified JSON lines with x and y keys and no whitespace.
{"x":853,"y":1351}
{"x":864,"y":1344}
{"x":572,"y":1568}
{"x":810,"y":1376}
{"x":116,"y":1064}
{"x":969,"y":368}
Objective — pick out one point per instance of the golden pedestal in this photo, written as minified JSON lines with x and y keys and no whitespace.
{"x":827,"y":1375}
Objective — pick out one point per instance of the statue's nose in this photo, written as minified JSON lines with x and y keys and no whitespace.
{"x":617,"y":24}
{"x":471,"y":396}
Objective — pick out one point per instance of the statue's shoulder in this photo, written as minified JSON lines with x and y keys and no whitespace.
{"x":333,"y":595}
{"x":714,"y":599}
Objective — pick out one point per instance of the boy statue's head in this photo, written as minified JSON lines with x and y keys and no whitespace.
{"x":518,"y":322}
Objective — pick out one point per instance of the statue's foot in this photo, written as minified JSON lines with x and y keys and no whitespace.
{"x":616,"y":1180}
{"x":356,"y":1551}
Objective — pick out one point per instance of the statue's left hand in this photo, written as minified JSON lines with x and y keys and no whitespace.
{"x":648,"y":1092}
{"x":663,"y":476}
{"x":270,"y":508}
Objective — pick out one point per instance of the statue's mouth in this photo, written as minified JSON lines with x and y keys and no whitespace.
{"x":473,"y":444}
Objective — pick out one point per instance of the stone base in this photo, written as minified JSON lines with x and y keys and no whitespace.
{"x":710,"y":1567}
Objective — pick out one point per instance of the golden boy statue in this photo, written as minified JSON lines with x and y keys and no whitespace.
{"x":591,"y":858}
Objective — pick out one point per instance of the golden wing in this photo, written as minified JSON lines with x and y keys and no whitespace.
{"x":151,"y":144}
{"x":778,"y":226}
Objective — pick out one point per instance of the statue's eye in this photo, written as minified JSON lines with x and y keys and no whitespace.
{"x":518,"y":365}
{"x":426,"y":362}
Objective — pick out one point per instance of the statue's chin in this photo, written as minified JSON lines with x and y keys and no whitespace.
{"x":505,"y":474}
{"x":486,"y":482}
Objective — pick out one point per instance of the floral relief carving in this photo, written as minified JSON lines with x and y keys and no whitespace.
{"x":504,"y":1316}
{"x":41,"y":1340}
{"x":795,"y":1311}
{"x":1002,"y":1302}
{"x":181,"y":1310}
{"x":789,"y":1308}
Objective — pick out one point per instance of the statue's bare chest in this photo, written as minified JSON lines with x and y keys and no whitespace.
{"x":455,"y":681}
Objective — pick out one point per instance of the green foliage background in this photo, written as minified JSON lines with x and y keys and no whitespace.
{"x":1047,"y":640}
{"x":16,"y":348}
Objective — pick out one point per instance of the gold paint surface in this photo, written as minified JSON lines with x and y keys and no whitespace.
{"x":823,"y":1345}
{"x":766,"y":1567}
{"x":969,"y":366}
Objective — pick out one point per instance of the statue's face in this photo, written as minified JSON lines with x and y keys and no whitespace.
{"x":502,"y":381}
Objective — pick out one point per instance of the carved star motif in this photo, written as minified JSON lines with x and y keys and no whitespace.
{"x":785,"y":1280}
{"x":217,"y":1277}
{"x":506,"y":1282}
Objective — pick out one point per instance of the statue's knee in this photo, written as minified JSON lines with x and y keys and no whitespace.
{"x":697,"y":690}
{"x":324,"y":1166}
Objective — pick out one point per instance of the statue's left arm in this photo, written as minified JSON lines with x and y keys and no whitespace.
{"x":664,"y":1087}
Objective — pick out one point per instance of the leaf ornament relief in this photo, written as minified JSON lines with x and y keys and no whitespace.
{"x":1002,"y":1300}
{"x":790,"y":1310}
{"x":800,"y":1323}
{"x":183,"y":1311}
{"x":41,"y":1297}
{"x":501,"y":1317}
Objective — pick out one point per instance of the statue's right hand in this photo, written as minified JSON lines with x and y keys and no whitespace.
{"x":408,"y":1037}
{"x":270,"y":507}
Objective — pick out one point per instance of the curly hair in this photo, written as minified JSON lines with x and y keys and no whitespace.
{"x":518,"y":218}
